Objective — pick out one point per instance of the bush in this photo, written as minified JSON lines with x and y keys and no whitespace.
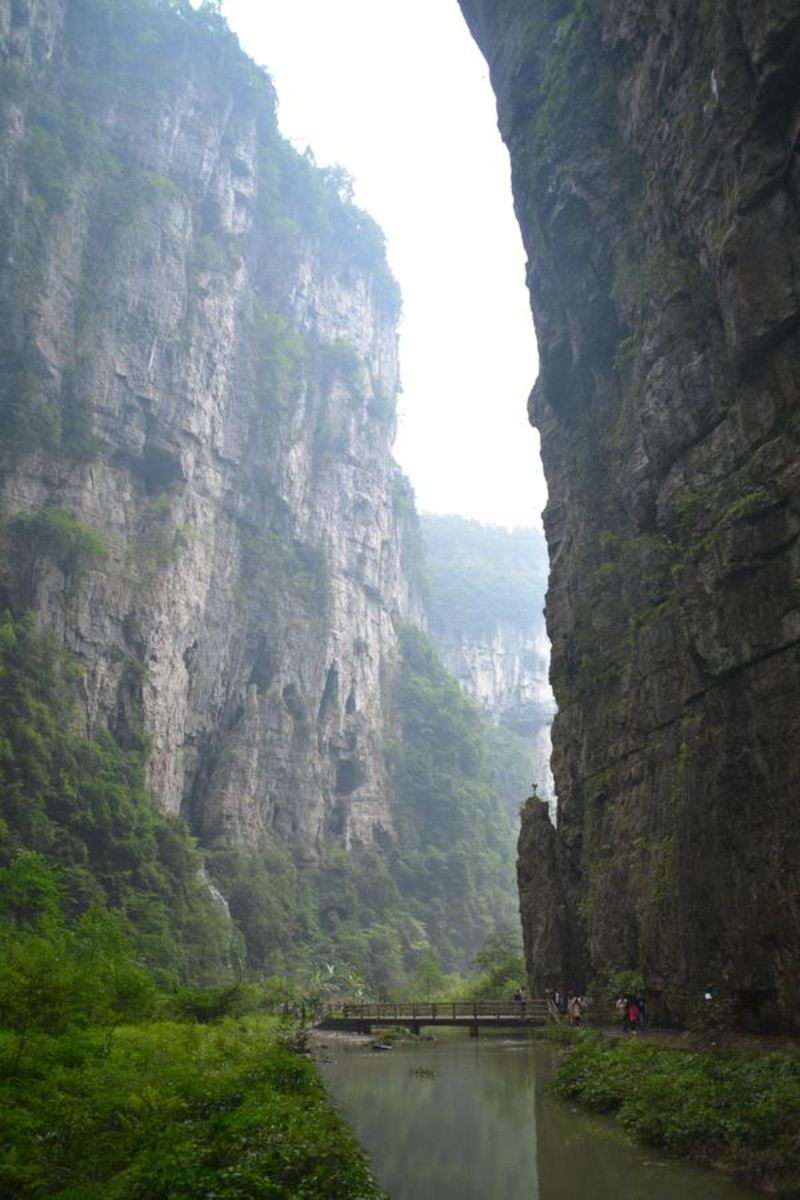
{"x":53,"y":977}
{"x":47,"y":167}
{"x":56,"y":534}
{"x":280,"y":357}
{"x":739,"y":1109}
{"x":213,"y":1004}
{"x":178,"y":1112}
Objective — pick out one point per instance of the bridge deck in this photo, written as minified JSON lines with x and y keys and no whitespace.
{"x":470,"y":1014}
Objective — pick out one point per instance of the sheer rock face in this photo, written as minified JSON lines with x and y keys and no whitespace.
{"x":654,"y":153}
{"x":235,"y":375}
{"x":504,"y":671}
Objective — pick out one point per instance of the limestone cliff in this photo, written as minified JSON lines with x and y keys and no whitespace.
{"x":199,"y":365}
{"x":654,"y":153}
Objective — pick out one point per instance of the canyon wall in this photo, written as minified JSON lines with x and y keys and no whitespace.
{"x":654,"y":152}
{"x":198,"y":380}
{"x":198,"y":338}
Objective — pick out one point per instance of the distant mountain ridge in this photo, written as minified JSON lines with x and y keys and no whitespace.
{"x":487,"y":587}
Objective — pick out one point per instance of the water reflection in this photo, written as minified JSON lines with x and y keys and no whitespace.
{"x":471,"y":1119}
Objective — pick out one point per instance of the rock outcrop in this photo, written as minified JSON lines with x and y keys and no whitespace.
{"x":654,"y":152}
{"x":199,"y":366}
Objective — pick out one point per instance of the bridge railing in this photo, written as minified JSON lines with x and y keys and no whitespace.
{"x":553,"y":1011}
{"x":437,"y":1010}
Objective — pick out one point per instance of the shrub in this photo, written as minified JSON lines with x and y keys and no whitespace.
{"x":46,"y":161}
{"x":175,"y":1111}
{"x":279,"y":357}
{"x":738,"y":1109}
{"x":56,"y":534}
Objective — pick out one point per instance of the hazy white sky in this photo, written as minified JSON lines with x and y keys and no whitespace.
{"x":398,"y":94}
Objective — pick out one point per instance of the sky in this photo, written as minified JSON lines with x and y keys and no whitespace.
{"x":397,"y":93}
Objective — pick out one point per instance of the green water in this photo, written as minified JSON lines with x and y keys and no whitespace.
{"x":471,"y":1119}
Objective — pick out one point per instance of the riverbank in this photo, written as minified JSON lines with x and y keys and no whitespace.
{"x":173,"y":1111}
{"x":736,"y":1110}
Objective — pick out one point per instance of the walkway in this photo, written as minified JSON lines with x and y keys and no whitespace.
{"x":413,"y":1015}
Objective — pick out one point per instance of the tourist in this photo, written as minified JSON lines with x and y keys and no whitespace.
{"x":642,"y":1013}
{"x":574,"y":1008}
{"x":632,"y":1012}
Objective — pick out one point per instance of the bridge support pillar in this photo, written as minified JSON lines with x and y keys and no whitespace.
{"x":473,"y":1029}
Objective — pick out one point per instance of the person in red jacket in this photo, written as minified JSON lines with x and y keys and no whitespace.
{"x":632,"y":1014}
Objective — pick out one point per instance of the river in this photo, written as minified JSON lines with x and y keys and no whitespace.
{"x":463,"y":1118}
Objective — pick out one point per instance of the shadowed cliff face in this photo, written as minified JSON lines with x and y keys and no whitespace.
{"x":656,"y":175}
{"x":198,"y":340}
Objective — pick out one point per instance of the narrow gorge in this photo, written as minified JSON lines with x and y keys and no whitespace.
{"x":283,"y":759}
{"x":213,"y":572}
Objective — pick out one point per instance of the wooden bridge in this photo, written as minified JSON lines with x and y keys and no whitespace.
{"x":469,"y":1014}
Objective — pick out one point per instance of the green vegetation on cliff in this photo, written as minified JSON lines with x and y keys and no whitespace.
{"x":80,"y":802}
{"x":361,"y":921}
{"x":482,"y":578}
{"x":512,"y":766}
{"x":341,"y":926}
{"x":364,"y":920}
{"x":72,"y":166}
